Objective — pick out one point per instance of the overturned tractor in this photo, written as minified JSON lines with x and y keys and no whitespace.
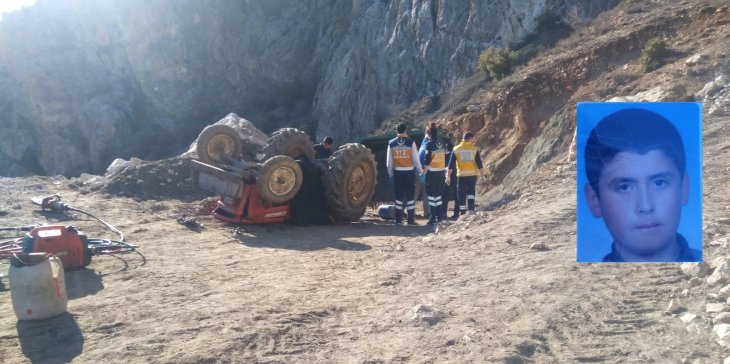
{"x":288,"y":184}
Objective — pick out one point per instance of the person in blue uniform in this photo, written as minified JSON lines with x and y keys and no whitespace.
{"x":435,"y":168}
{"x":402,"y":162}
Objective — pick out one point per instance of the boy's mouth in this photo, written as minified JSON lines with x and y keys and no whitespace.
{"x":649,"y":225}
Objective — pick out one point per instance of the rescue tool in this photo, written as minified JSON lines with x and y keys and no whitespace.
{"x":70,"y":245}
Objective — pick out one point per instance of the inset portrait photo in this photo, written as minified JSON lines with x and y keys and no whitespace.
{"x":639,"y":181}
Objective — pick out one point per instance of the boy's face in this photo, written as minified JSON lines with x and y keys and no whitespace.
{"x":641,"y":197}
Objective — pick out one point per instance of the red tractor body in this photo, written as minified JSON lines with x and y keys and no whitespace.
{"x":250,"y":208}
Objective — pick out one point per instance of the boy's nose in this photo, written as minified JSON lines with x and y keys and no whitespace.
{"x":644,"y":201}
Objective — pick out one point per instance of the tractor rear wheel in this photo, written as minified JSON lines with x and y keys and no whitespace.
{"x":279,"y":179}
{"x":218,"y":144}
{"x":291,"y":142}
{"x":350,"y":181}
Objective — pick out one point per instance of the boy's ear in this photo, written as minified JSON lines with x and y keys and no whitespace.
{"x":592,"y":200}
{"x":685,"y":189}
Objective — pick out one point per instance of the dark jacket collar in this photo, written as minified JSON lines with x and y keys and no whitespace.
{"x":686,"y":254}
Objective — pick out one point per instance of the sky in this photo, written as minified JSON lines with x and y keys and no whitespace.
{"x":7,"y":6}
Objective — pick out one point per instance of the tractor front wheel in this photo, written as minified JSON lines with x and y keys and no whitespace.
{"x":279,"y":179}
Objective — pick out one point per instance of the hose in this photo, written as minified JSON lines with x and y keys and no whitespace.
{"x":110,"y":247}
{"x":11,"y":247}
{"x":54,"y":203}
{"x":8,"y":248}
{"x":108,"y":225}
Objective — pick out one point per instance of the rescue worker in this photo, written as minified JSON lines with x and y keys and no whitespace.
{"x":402,"y":161}
{"x":450,"y":190}
{"x":465,"y":158}
{"x":434,"y":168}
{"x":421,"y":193}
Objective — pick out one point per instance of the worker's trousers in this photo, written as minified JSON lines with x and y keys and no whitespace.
{"x":466,"y":190}
{"x":434,"y":189}
{"x":405,"y":184}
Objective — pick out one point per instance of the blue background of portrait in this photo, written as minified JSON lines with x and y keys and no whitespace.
{"x":594,"y":240}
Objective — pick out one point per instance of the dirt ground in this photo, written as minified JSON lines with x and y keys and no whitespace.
{"x":473,"y":291}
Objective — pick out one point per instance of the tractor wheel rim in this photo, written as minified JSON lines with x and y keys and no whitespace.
{"x":219,"y":146}
{"x":357,"y":182}
{"x":282,"y":181}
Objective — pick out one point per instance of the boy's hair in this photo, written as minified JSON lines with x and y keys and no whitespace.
{"x":401,"y":128}
{"x":631,"y":130}
{"x":328,"y":140}
{"x":468,"y":136}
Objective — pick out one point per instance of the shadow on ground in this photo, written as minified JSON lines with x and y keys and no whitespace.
{"x":54,"y":340}
{"x":82,"y":282}
{"x":310,"y":238}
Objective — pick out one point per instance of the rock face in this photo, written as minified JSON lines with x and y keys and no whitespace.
{"x":83,"y":82}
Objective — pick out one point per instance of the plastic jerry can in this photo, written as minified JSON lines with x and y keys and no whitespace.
{"x":37,"y":286}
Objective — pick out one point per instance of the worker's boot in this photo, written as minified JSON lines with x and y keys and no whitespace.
{"x":398,"y":216}
{"x":412,"y":217}
{"x":435,"y":211}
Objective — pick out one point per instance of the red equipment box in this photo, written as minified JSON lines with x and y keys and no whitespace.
{"x":67,"y":243}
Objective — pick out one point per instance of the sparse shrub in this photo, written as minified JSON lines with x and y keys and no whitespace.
{"x":496,"y":62}
{"x":548,"y":21}
{"x":653,"y":55}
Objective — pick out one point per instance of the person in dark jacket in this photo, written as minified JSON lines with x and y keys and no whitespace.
{"x":323,"y":150}
{"x":449,"y":192}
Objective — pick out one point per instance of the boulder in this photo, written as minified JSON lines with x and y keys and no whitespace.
{"x":687,"y":317}
{"x":673,"y":307}
{"x":720,"y":275}
{"x":716,"y":307}
{"x":721,"y":318}
{"x":424,"y":315}
{"x":723,"y":333}
{"x":695,"y":59}
{"x":699,"y":269}
{"x":253,"y":140}
{"x":725,"y":291}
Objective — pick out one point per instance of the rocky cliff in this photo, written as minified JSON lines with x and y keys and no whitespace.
{"x":83,"y":82}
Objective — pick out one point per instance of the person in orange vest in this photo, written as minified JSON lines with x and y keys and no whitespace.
{"x":465,"y":158}
{"x":434,"y":167}
{"x":402,"y":160}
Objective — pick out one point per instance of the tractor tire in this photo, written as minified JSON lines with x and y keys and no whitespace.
{"x":279,"y":179}
{"x":218,"y":144}
{"x":350,"y":181}
{"x":289,"y":142}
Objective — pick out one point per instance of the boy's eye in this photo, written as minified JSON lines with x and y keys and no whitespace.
{"x":623,"y":187}
{"x":660,"y":183}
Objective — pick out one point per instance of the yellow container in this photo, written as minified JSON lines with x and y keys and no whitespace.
{"x":37,"y":286}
